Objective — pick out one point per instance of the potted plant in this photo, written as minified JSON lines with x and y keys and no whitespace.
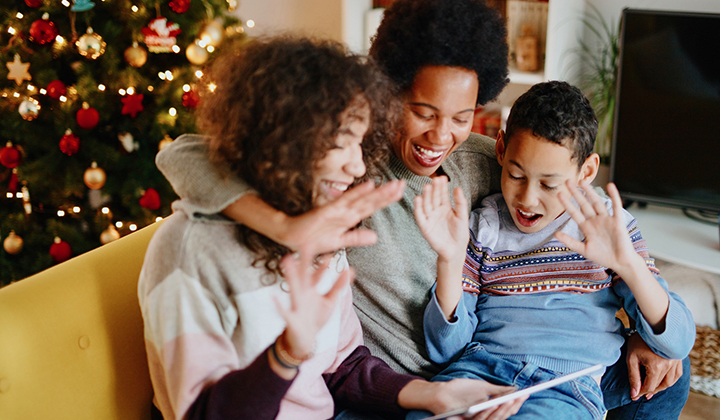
{"x":598,"y":76}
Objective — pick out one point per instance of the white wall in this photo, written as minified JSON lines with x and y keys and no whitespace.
{"x":340,"y":20}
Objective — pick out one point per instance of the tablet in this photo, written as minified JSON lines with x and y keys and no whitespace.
{"x":469,"y":411}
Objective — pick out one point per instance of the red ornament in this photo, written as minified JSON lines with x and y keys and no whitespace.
{"x":150,"y":200}
{"x":180,"y":6}
{"x":33,"y":3}
{"x":191,"y":99}
{"x":10,"y":156}
{"x":60,"y":250}
{"x":69,"y":143}
{"x":43,"y":31}
{"x":56,"y":89}
{"x":87,"y":117}
{"x":14,"y":182}
{"x":132,"y":104}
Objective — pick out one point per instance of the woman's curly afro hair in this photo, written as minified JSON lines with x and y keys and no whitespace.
{"x":276,"y":110}
{"x":456,"y":33}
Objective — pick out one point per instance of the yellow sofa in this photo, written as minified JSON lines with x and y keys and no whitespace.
{"x":71,"y":338}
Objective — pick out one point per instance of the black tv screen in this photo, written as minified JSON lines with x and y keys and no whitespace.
{"x":666,"y":142}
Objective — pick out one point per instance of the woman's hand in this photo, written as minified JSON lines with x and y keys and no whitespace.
{"x":660,"y":373}
{"x":309,"y":310}
{"x":333,"y":226}
{"x":445,"y":228}
{"x":323,"y":229}
{"x":442,"y":397}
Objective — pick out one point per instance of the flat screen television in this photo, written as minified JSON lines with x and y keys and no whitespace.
{"x":666,"y":140}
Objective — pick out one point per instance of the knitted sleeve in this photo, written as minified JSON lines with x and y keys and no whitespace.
{"x":186,"y":165}
{"x":676,"y":341}
{"x":366,"y":383}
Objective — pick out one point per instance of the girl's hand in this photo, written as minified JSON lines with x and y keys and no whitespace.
{"x":309,"y":310}
{"x":441,"y":397}
{"x":445,"y":229}
{"x":607,"y":241}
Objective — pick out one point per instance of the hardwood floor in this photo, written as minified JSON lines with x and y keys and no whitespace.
{"x":701,"y":407}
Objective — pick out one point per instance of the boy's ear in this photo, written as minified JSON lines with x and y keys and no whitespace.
{"x":500,"y":146}
{"x":590,"y":168}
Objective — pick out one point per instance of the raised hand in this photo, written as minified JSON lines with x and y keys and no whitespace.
{"x":445,"y":228}
{"x":332,"y":226}
{"x":309,"y":310}
{"x":607,"y":241}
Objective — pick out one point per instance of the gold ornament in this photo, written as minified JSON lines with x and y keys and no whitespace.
{"x":90,"y":45}
{"x":165,"y":142}
{"x":136,"y":55}
{"x":29,"y":109}
{"x":213,"y":33}
{"x":108,"y":235}
{"x":196,"y":54}
{"x":13,"y":244}
{"x":94,"y":177}
{"x":18,"y":70}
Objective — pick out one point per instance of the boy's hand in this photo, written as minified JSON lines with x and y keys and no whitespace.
{"x":309,"y":310}
{"x":445,"y":229}
{"x":607,"y":241}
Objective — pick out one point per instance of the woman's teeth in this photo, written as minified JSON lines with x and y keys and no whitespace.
{"x":429,"y":153}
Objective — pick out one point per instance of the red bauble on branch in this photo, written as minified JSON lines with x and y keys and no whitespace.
{"x":56,"y":89}
{"x":60,"y":250}
{"x":150,"y":200}
{"x":180,"y":6}
{"x":87,"y":117}
{"x":132,"y":104}
{"x":10,"y":156}
{"x":43,"y":31}
{"x":191,"y":99}
{"x":33,"y":3}
{"x":69,"y":143}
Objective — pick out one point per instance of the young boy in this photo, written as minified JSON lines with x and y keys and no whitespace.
{"x":535,"y":294}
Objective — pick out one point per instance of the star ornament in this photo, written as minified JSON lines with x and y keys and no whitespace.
{"x":18,"y":70}
{"x":132,"y":104}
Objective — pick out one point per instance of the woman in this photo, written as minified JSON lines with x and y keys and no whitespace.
{"x":235,"y":325}
{"x":445,"y":58}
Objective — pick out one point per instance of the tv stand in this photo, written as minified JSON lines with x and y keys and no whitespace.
{"x":674,"y":237}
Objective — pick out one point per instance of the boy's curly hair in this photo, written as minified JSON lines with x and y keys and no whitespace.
{"x":557,"y":112}
{"x":276,"y":110}
{"x":456,"y":33}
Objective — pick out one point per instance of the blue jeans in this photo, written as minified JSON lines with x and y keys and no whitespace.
{"x":665,"y":405}
{"x":573,"y":400}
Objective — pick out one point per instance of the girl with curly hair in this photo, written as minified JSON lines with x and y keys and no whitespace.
{"x":238,"y":326}
{"x":444,"y":57}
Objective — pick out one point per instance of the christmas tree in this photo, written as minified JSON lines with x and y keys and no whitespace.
{"x":93,"y":89}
